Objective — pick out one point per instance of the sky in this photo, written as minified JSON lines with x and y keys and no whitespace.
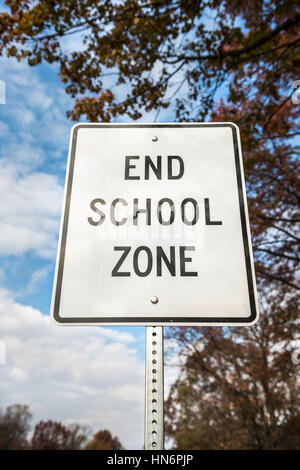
{"x":93,"y":376}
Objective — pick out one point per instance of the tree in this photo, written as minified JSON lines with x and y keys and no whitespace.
{"x":52,"y":435}
{"x":238,"y":389}
{"x":103,"y":440}
{"x":14,"y":426}
{"x":222,"y":60}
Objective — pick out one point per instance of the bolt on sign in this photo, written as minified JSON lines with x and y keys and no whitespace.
{"x":155,"y":228}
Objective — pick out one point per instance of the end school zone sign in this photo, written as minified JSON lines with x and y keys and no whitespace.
{"x":155,"y":228}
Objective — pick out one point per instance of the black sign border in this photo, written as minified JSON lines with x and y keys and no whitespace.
{"x":155,"y":320}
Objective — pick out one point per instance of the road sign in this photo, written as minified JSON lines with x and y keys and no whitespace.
{"x":155,"y":228}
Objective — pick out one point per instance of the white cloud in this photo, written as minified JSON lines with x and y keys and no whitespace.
{"x":20,"y":157}
{"x":39,"y":100}
{"x":36,"y":107}
{"x":24,"y":117}
{"x":29,"y":213}
{"x":3,"y":129}
{"x":87,"y":375}
{"x":73,"y":42}
{"x":36,"y":279}
{"x":34,"y":137}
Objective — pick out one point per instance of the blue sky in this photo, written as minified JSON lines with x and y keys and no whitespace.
{"x":93,"y":376}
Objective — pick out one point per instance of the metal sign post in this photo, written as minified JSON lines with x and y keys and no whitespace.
{"x":154,"y":400}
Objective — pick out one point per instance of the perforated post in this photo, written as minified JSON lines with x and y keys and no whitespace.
{"x":154,"y":401}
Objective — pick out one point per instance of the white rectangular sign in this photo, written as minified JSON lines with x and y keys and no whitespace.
{"x":155,"y":228}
